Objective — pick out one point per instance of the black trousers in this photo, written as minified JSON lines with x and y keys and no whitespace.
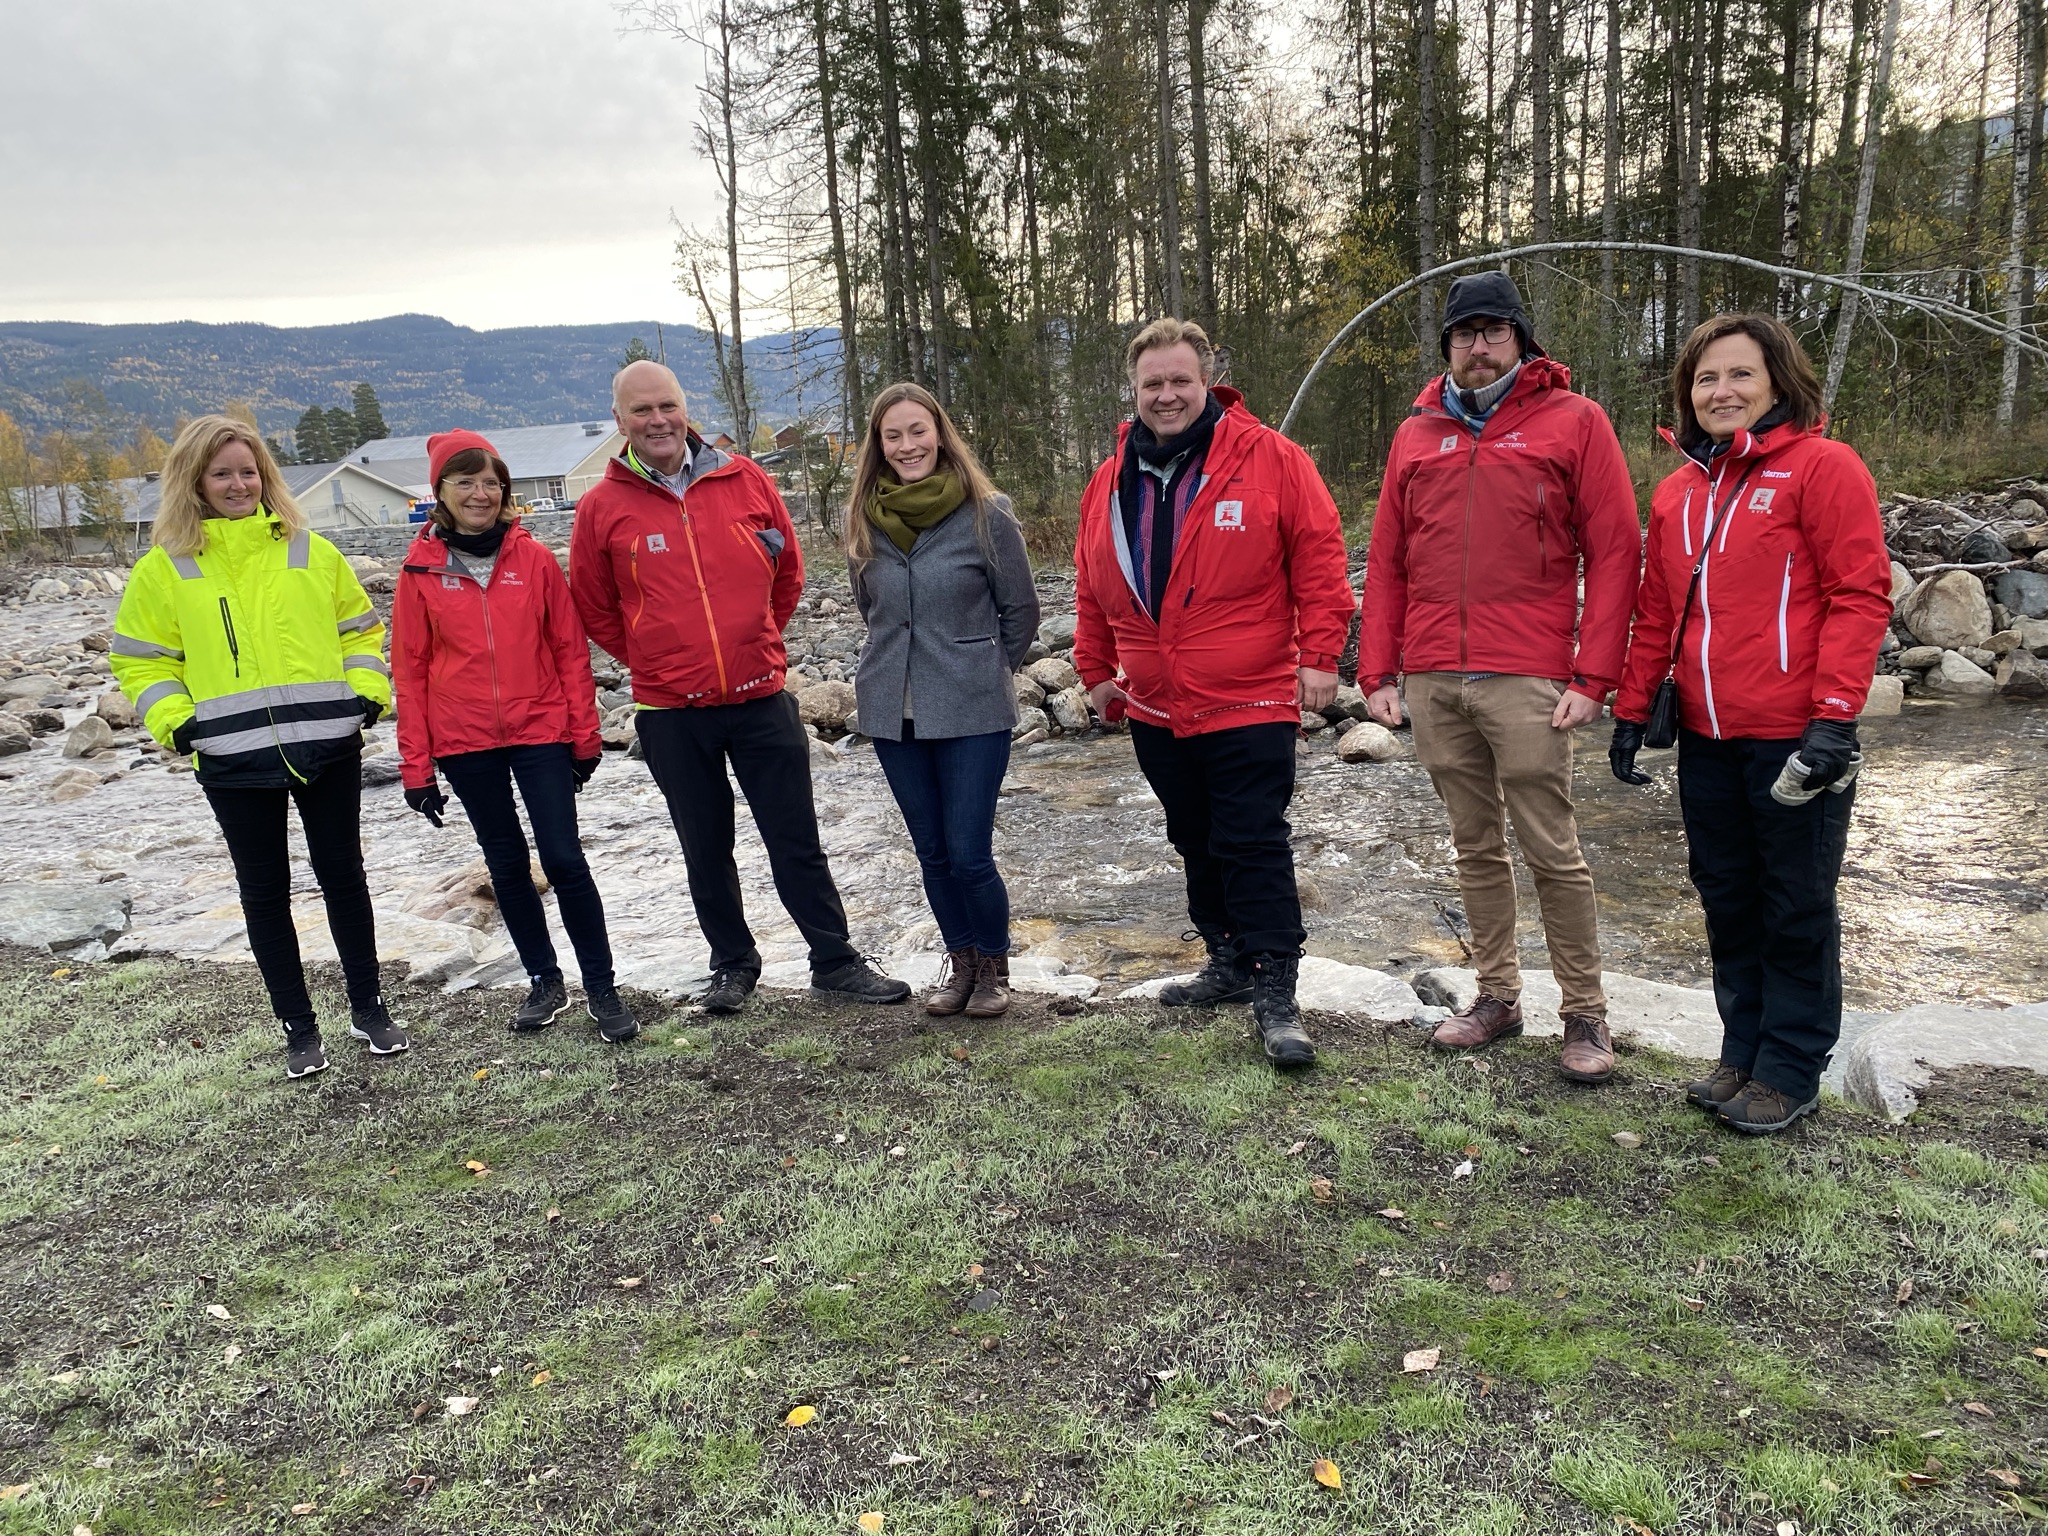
{"x":482,"y":781}
{"x":687,"y":750}
{"x":1225,"y":794}
{"x":1766,"y":875}
{"x":252,"y":822}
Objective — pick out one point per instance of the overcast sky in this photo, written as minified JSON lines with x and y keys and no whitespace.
{"x":496,"y":162}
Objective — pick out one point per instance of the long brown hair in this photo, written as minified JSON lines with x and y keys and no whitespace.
{"x":181,"y":511}
{"x":954,"y":454}
{"x":1792,"y":376}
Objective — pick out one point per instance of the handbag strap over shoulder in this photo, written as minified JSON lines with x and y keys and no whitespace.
{"x":1714,"y":517}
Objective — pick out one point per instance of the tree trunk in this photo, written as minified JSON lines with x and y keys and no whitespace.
{"x":850,"y":403}
{"x":1973,"y":218}
{"x":742,"y":407}
{"x":1610,"y":194}
{"x":1692,"y":197}
{"x":1425,"y":177}
{"x":1792,"y":150}
{"x":1542,"y":224}
{"x":1169,"y":161}
{"x":1198,"y":131}
{"x":1866,"y":184}
{"x":2025,"y":121}
{"x":933,"y":201}
{"x":895,"y":193}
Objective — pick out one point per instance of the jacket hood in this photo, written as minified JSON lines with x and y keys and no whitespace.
{"x":428,"y":548}
{"x":1538,"y":373}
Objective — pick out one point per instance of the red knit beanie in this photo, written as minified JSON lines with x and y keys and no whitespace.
{"x":443,"y":446}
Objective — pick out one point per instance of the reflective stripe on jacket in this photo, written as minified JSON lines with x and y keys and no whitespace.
{"x":1795,"y":588}
{"x":267,"y":644}
{"x":1257,"y":587}
{"x":1477,"y":543}
{"x":479,"y":666}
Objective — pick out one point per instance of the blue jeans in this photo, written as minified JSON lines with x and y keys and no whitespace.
{"x":482,"y":781}
{"x":946,"y":789}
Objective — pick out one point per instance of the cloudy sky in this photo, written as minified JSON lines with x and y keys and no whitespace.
{"x":496,"y":162}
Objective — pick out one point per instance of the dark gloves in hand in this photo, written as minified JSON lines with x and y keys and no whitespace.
{"x":1826,"y":749}
{"x":181,"y":738}
{"x":372,"y":711}
{"x":1621,"y":752}
{"x":429,"y":802}
{"x":583,"y":768}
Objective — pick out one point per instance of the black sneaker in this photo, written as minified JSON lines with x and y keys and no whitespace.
{"x":302,"y":1053}
{"x":374,"y":1025}
{"x":1224,"y":979}
{"x":856,"y":981}
{"x":729,"y":990}
{"x":614,"y":1020}
{"x":543,"y":1002}
{"x":1275,"y":1015}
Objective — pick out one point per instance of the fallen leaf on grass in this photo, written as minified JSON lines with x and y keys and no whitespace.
{"x":70,"y":1378}
{"x":1693,"y":1302}
{"x":1917,"y":1480}
{"x":1297,"y":1149}
{"x":975,"y":1271}
{"x":2002,"y":1477}
{"x":554,"y":1213}
{"x":629,"y":1282}
{"x":2029,"y":1507}
{"x":1627,"y":1139}
{"x":1788,"y":1528}
{"x":14,"y":1491}
{"x":1420,"y":1360}
{"x":1501,"y":1283}
{"x":81,"y":1529}
{"x":899,"y":1150}
{"x":219,"y":1313}
{"x":304,"y":1509}
{"x":2041,"y":1354}
{"x":1218,"y":1416}
{"x":1325,"y":1472}
{"x":871,"y":1522}
{"x":477,"y":1168}
{"x":482,"y":1073}
{"x":1392,"y":1213}
{"x":542,"y":1378}
{"x":1904,"y":1293}
{"x":231,"y":1354}
{"x":1278,"y":1399}
{"x":903,"y":1459}
{"x":460,"y":1407}
{"x":101,"y":1081}
{"x":1978,"y":1409}
{"x":1463,"y":1170}
{"x":1323,"y":1190}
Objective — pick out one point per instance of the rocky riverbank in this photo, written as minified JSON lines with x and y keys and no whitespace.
{"x":1969,"y":595}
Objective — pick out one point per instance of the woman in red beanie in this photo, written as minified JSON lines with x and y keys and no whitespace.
{"x":493,"y":678}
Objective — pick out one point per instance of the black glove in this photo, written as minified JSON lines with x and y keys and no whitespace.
{"x":181,"y":738}
{"x":1621,"y":752}
{"x":583,"y":768}
{"x":1825,"y":749}
{"x":429,"y":802}
{"x":372,"y":711}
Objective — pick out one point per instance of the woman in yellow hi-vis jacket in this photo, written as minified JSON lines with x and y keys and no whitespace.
{"x":246,"y":642}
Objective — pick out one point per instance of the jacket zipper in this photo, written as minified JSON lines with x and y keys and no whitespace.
{"x":1465,"y":557}
{"x":704,"y":595}
{"x":1707,"y":531}
{"x":227,"y":622}
{"x":1784,"y":599}
{"x":483,"y":594}
{"x":1542,"y":555}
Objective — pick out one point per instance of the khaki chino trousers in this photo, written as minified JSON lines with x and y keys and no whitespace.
{"x":1492,"y":754}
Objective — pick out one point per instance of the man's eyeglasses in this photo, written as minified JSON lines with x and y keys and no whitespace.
{"x":1496,"y":334}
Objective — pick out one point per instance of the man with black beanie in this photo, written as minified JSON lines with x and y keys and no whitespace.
{"x":1503,"y":489}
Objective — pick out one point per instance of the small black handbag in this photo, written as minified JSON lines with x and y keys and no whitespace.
{"x":1661,"y":729}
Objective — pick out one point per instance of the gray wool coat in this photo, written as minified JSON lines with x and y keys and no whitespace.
{"x":953,"y":621}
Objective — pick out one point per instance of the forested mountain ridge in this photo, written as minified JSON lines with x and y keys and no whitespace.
{"x":428,"y":373}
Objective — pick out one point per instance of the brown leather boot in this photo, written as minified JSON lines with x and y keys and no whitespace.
{"x":1588,"y":1054}
{"x":991,"y":987}
{"x":1487,"y":1020}
{"x":956,"y":982}
{"x":1717,"y":1087}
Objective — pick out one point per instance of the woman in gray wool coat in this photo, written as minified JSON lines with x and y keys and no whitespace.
{"x":938,"y":568}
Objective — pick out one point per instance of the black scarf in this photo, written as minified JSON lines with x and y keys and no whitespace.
{"x":483,"y":545}
{"x":1705,"y":450}
{"x":1141,"y":444}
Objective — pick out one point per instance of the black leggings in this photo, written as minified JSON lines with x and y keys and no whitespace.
{"x":252,"y":821}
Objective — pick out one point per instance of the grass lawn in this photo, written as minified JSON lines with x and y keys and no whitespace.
{"x":1093,"y":1273}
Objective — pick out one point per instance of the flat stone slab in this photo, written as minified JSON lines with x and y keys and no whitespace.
{"x":1895,"y":1056}
{"x":1330,"y":986}
{"x":63,"y":916}
{"x":1028,"y":973}
{"x":1680,"y":1019}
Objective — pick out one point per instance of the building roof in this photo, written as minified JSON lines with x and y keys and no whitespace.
{"x":531,"y":453}
{"x":140,"y":495}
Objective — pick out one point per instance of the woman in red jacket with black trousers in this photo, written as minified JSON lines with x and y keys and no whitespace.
{"x":1765,"y":597}
{"x":493,"y":680}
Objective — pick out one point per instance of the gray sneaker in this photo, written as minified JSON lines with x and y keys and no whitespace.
{"x":543,"y":1003}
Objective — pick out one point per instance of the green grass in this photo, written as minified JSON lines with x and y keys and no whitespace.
{"x":1103,"y":1274}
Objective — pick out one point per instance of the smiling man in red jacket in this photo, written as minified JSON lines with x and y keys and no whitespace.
{"x":684,"y":565}
{"x":1502,"y":487}
{"x":1211,"y":602}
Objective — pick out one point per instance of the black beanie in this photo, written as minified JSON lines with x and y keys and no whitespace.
{"x":1490,"y":295}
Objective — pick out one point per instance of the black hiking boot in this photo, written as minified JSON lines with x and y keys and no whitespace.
{"x":543,"y":1004}
{"x":374,"y":1026}
{"x":302,"y":1053}
{"x":856,"y":981}
{"x":1275,"y":1014}
{"x":1223,"y":978}
{"x":615,"y":1022}
{"x":728,"y":991}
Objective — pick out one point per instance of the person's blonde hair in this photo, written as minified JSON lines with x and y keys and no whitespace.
{"x":1168,"y":331}
{"x":181,"y":513}
{"x":869,"y":466}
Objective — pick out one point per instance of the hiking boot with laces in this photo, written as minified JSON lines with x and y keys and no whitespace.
{"x":546,"y":999}
{"x":303,"y":1055}
{"x":956,"y":982}
{"x":1718,"y":1087}
{"x":1487,"y":1020}
{"x":1760,"y":1110}
{"x":856,"y":981}
{"x":1223,"y":978}
{"x":376,"y":1028}
{"x":1588,"y":1052}
{"x":991,"y":994}
{"x":614,"y":1020}
{"x":1275,"y":1015}
{"x":728,"y":991}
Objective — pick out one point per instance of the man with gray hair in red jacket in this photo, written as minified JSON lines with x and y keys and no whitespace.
{"x":1502,"y":489}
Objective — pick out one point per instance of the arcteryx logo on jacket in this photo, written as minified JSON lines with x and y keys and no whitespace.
{"x":1474,"y":564}
{"x":691,"y":592}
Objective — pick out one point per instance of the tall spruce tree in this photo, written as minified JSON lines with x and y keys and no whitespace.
{"x":369,"y":416}
{"x":309,"y":438}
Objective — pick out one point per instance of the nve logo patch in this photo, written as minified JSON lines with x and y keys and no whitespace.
{"x":1230,"y":514}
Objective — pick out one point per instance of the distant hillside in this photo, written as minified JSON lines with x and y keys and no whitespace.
{"x":428,"y":374}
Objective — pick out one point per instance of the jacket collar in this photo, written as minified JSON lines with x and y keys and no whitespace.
{"x":704,"y":461}
{"x":429,"y":551}
{"x":1538,"y":375}
{"x":1233,"y":433}
{"x":1747,"y":447}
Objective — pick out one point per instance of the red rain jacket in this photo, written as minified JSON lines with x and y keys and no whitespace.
{"x":479,"y":667}
{"x":1795,"y":590}
{"x":690,"y":593}
{"x":1257,"y":587}
{"x":1474,"y":564}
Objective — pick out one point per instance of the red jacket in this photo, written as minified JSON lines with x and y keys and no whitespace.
{"x":1795,"y":592}
{"x":1257,"y":587}
{"x":479,"y":667}
{"x":692,"y":601}
{"x":1476,"y":547}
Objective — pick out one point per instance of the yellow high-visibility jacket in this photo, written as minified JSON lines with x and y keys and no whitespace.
{"x":262,"y":649}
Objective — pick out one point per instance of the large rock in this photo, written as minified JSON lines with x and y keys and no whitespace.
{"x":1029,"y":720}
{"x":1330,"y":986}
{"x":1885,"y":1067}
{"x":48,"y":590}
{"x":40,"y":721}
{"x":71,"y":784}
{"x":14,"y":735}
{"x":828,"y":704}
{"x":1950,"y":611}
{"x":61,"y":915}
{"x":88,"y":736}
{"x":2024,"y":593}
{"x":1348,"y":705}
{"x":1957,"y":674}
{"x":1030,"y":692}
{"x":2022,"y":675}
{"x":1069,"y":708}
{"x":382,"y":768}
{"x":2029,"y":539}
{"x":1887,"y":697}
{"x":1919,"y":658}
{"x":32,"y":686}
{"x":1057,"y":632}
{"x":1902,"y":583}
{"x":1980,"y":546}
{"x":114,"y":708}
{"x":824,"y":754}
{"x":2033,"y":633}
{"x":1053,"y":674}
{"x":1369,"y":742}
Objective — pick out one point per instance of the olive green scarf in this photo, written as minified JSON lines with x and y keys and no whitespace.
{"x":904,"y":511}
